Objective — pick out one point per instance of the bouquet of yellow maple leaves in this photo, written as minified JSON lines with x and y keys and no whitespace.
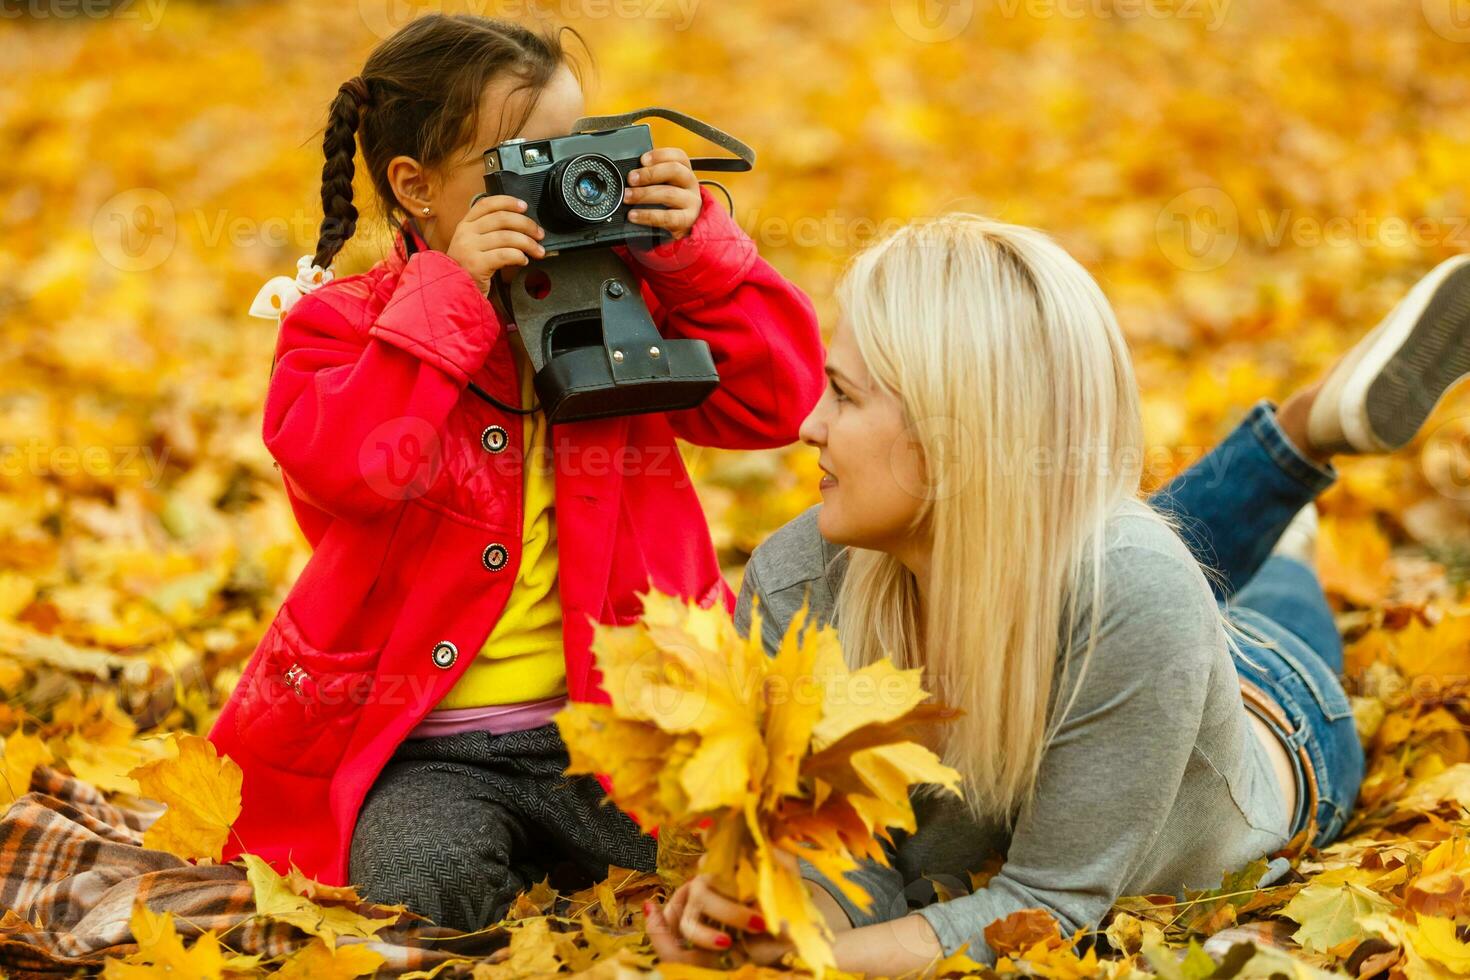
{"x":763,"y":754}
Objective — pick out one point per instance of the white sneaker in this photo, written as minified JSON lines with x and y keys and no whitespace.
{"x":1377,"y":397}
{"x":1299,"y":540}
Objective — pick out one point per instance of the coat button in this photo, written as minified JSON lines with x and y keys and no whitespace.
{"x":494,"y":439}
{"x":295,"y":674}
{"x":494,"y":557}
{"x":445,"y":654}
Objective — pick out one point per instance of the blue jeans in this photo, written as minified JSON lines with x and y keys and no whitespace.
{"x":1231,"y":508}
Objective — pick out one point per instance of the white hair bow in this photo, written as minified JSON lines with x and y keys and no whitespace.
{"x":281,"y":292}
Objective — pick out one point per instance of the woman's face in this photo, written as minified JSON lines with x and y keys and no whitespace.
{"x":872,"y":465}
{"x":449,"y":192}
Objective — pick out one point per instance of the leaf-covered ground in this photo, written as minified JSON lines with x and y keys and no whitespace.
{"x":1254,"y":183}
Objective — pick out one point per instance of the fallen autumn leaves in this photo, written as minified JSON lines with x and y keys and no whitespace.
{"x":777,"y":753}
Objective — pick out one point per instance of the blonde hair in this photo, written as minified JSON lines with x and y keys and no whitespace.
{"x":1017,"y":385}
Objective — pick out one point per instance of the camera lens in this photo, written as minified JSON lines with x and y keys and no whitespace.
{"x":589,"y":187}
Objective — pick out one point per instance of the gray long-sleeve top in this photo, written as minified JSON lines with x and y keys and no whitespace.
{"x":1154,"y":783}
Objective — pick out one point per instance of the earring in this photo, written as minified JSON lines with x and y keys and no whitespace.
{"x":426,"y":210}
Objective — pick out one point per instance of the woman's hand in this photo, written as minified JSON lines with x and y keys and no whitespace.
{"x":681,"y":931}
{"x":494,"y":235}
{"x":665,"y":178}
{"x":670,"y":944}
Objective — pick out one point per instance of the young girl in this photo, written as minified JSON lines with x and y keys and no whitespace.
{"x":394,"y":723}
{"x":982,"y":446}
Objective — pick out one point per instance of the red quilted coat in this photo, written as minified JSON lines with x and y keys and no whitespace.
{"x":408,"y":487}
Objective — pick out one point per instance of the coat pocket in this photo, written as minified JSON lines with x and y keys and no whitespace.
{"x":299,"y":704}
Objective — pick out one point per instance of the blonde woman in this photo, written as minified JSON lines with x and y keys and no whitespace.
{"x":1133,"y":722}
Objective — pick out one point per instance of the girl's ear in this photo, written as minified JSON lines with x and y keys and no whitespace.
{"x":412,"y":185}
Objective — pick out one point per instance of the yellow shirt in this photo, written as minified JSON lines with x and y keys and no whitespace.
{"x":522,"y":659}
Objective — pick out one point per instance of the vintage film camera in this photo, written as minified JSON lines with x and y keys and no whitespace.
{"x":591,"y":340}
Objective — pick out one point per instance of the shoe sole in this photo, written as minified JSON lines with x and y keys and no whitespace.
{"x":1421,"y":352}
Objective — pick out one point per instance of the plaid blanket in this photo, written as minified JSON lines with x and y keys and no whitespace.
{"x":72,"y":865}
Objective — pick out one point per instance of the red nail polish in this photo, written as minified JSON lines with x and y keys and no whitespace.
{"x":757,"y":923}
{"x":722,"y":940}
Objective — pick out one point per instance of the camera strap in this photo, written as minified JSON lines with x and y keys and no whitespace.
{"x":744,"y":158}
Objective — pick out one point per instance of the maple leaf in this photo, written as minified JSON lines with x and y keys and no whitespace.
{"x":534,"y":901}
{"x":1021,"y":930}
{"x":1126,"y":933}
{"x":1451,"y":785}
{"x":603,"y":944}
{"x":783,"y":756}
{"x":202,"y":793}
{"x":901,"y":694}
{"x":319,"y":960}
{"x":532,"y":950}
{"x":957,"y":964}
{"x":161,"y":952}
{"x":23,"y":753}
{"x":1328,"y":914}
{"x":1195,"y":964}
{"x":1352,"y":558}
{"x":275,"y":898}
{"x":1035,"y":947}
{"x":1441,"y":893}
{"x":1435,"y":938}
{"x":106,"y":766}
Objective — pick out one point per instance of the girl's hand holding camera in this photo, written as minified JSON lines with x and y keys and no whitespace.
{"x":495,"y":234}
{"x":665,"y":178}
